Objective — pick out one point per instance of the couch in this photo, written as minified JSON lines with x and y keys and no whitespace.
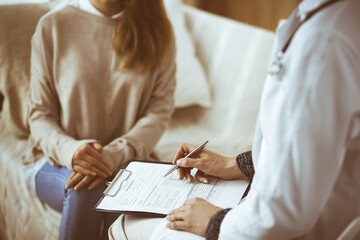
{"x":235,"y":59}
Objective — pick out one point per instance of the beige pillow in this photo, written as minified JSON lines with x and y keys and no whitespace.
{"x":17,"y":25}
{"x":192,"y":85}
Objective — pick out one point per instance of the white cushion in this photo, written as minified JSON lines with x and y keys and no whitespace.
{"x":192,"y":86}
{"x":235,"y":57}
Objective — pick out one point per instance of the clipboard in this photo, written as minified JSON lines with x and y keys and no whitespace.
{"x":112,"y":190}
{"x":140,"y":188}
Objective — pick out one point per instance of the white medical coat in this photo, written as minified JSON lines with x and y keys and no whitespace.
{"x":306,"y":149}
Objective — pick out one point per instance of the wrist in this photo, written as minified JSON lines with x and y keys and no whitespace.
{"x":231,"y":169}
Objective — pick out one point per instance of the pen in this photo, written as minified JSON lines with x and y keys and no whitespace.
{"x":192,"y":153}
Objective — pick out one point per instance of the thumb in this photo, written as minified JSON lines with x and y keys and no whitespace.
{"x":97,"y":146}
{"x":187,"y":162}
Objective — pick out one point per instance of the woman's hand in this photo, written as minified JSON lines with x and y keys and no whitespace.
{"x":207,"y":162}
{"x":78,"y":181}
{"x":89,"y":161}
{"x":193,"y":216}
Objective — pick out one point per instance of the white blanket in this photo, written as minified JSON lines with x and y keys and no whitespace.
{"x":22,"y":216}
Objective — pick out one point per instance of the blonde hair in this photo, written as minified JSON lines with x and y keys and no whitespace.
{"x":144,"y":35}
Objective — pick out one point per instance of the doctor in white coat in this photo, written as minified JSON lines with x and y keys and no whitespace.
{"x":306,"y":150}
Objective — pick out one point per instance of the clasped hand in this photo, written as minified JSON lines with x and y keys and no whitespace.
{"x":89,"y":166}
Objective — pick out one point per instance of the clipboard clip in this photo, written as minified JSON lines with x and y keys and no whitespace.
{"x":112,"y":183}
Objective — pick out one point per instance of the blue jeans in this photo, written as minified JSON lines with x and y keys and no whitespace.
{"x":78,"y":220}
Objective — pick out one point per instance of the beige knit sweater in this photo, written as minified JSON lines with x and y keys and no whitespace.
{"x":77,"y":95}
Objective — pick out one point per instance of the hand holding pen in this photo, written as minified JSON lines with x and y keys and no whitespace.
{"x":207,"y":163}
{"x":191,"y":154}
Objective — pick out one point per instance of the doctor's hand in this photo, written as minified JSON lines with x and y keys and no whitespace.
{"x":89,"y":161}
{"x":193,"y":216}
{"x":207,"y":162}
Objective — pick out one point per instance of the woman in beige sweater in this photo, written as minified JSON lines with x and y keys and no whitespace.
{"x":101,"y":94}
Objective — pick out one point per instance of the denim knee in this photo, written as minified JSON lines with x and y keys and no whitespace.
{"x":50,"y":185}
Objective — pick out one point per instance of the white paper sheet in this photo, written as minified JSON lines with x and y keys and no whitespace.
{"x":146,"y":190}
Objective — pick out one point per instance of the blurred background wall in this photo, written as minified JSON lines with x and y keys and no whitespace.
{"x":261,"y":13}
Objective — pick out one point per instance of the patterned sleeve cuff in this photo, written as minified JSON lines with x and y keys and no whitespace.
{"x":245,"y":164}
{"x":213,"y":228}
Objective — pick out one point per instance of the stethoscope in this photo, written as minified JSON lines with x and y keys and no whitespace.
{"x":276,"y":65}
